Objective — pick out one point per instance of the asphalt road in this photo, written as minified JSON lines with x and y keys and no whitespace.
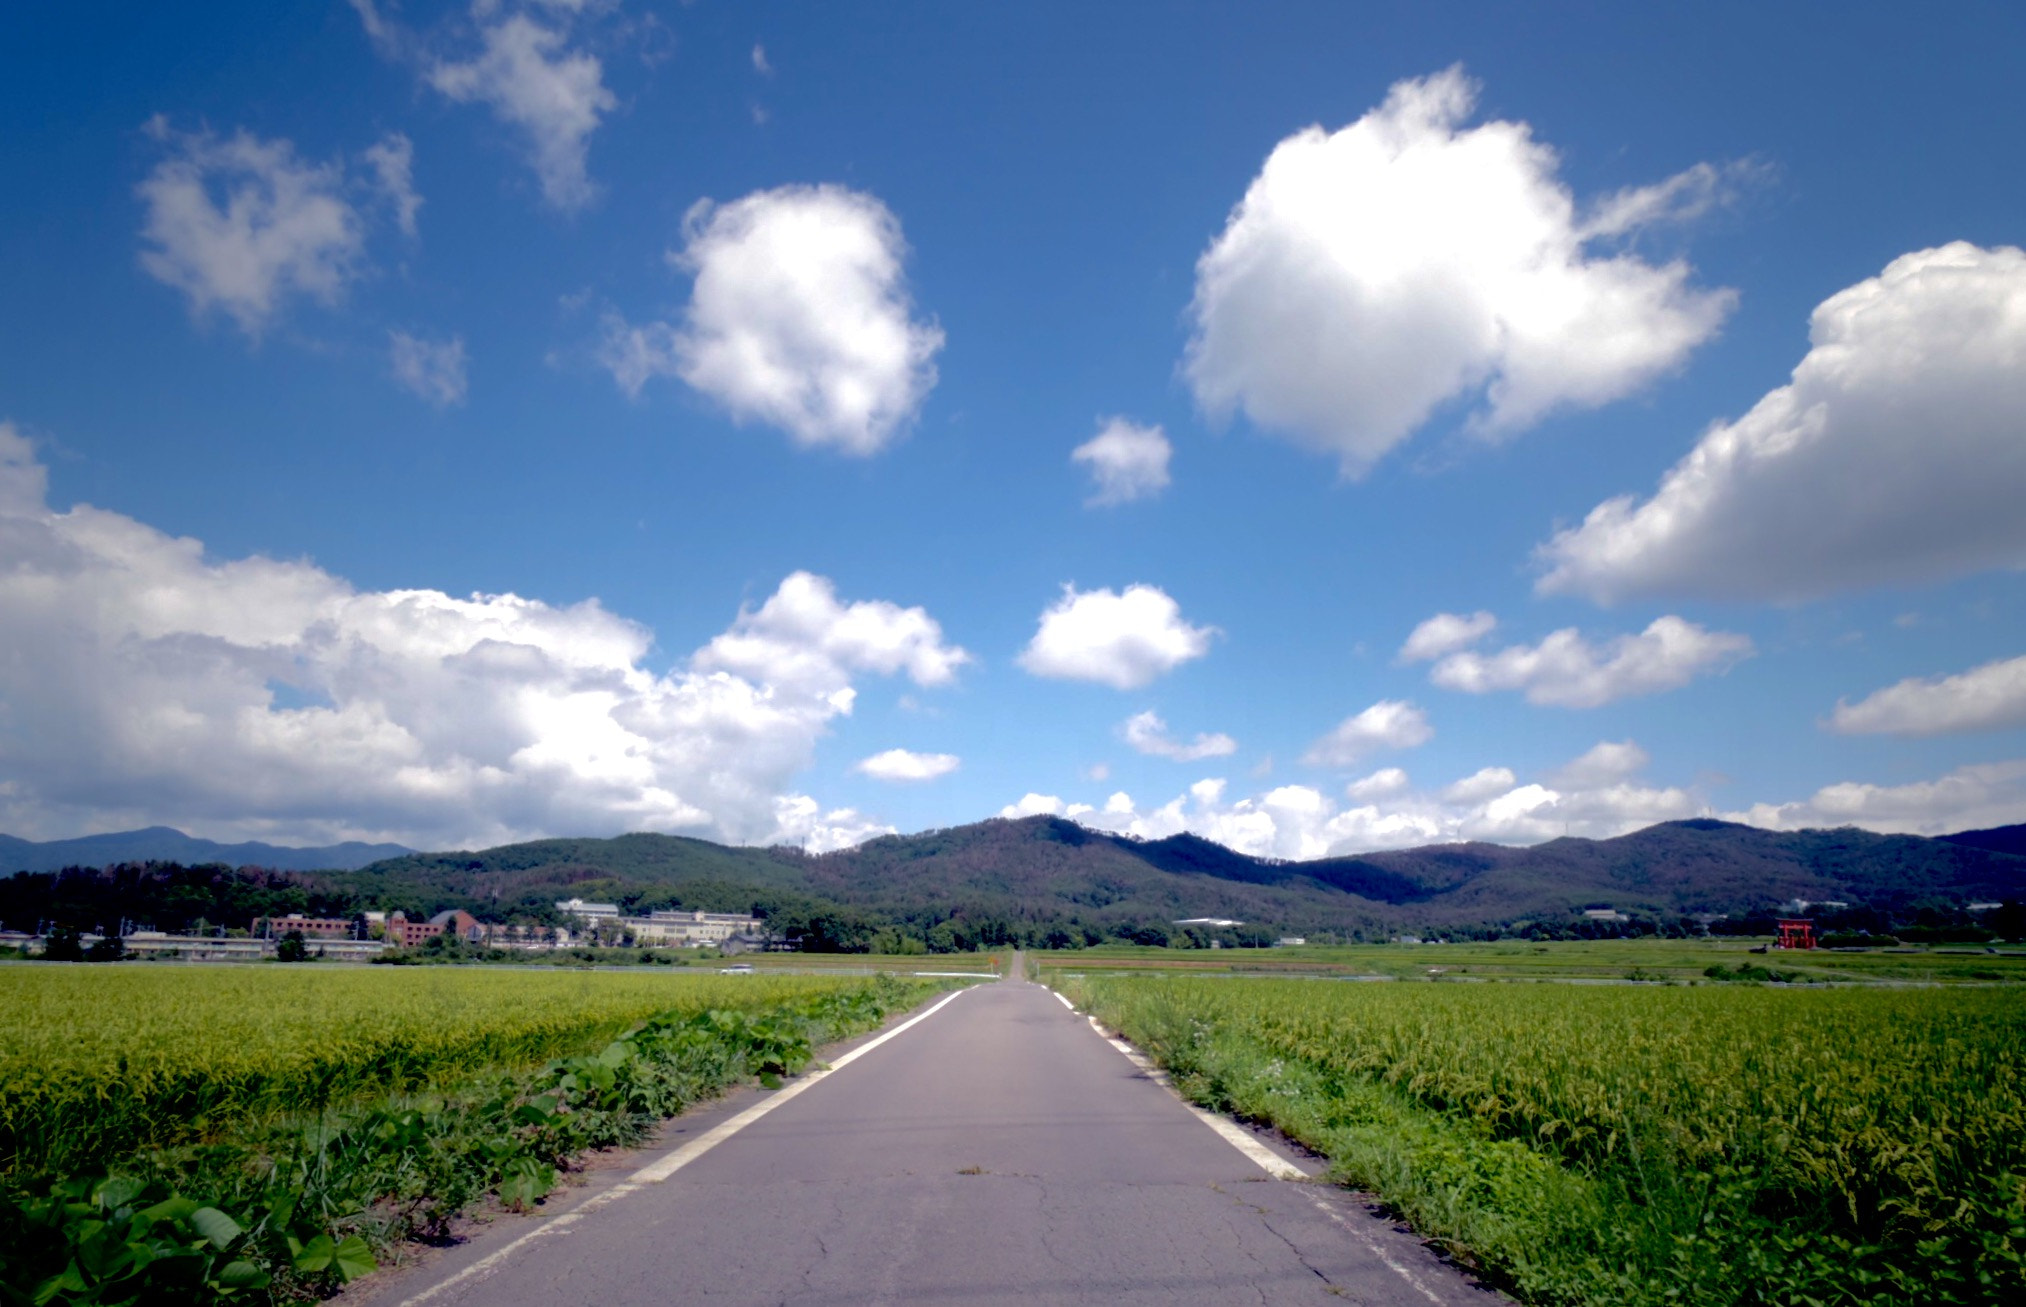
{"x":999,"y":1151}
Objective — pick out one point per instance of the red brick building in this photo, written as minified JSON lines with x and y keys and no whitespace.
{"x":408,"y":934}
{"x":454,"y":921}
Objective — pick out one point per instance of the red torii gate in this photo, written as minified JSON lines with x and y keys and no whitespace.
{"x":1796,"y":932}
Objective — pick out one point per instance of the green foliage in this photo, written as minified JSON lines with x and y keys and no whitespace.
{"x":1725,"y":1145}
{"x":63,"y":944}
{"x":1854,"y":939}
{"x":107,"y":948}
{"x":1749,"y":973}
{"x":291,"y":1207}
{"x":121,"y":1241}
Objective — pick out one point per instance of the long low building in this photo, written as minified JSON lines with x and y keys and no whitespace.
{"x":310,"y":927}
{"x":664,"y":927}
{"x":159,"y":946}
{"x":689,"y":929}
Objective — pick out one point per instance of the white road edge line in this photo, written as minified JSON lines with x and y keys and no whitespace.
{"x":656,"y":1172}
{"x":1267,"y":1160}
{"x":1376,"y":1251}
{"x":1234,"y":1134}
{"x":1065,"y":1002}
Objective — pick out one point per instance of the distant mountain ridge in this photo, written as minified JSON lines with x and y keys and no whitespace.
{"x":1047,"y":868}
{"x":1999,"y":839}
{"x":167,"y":844}
{"x":1046,"y":871}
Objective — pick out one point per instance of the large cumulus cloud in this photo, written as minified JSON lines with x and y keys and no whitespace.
{"x":1373,"y":274}
{"x":1895,"y":455}
{"x":800,"y":317}
{"x":142,"y":680}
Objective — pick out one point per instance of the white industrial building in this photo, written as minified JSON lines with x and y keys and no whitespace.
{"x":690,"y":929}
{"x":678,"y":928}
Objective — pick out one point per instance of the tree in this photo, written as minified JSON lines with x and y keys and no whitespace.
{"x":292,"y":948}
{"x":108,"y":948}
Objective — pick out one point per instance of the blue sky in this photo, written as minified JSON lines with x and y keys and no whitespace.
{"x":581,"y":417}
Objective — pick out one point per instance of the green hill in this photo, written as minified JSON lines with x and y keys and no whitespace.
{"x":1043,"y":879}
{"x":1045,"y":869}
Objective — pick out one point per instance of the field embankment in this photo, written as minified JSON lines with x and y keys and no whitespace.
{"x":192,"y":1134}
{"x":1629,"y":1145}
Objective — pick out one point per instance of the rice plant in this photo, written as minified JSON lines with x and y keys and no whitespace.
{"x":1624,"y":1145}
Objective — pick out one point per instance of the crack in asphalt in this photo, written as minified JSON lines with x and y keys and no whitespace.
{"x":1266,"y":1220}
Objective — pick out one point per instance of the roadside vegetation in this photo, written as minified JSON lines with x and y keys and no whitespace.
{"x":1609,"y":961}
{"x":269,"y":1133}
{"x":1728,"y":1144}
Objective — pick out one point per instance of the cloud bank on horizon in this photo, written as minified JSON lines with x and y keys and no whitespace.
{"x":257,"y":695}
{"x":1466,"y":486}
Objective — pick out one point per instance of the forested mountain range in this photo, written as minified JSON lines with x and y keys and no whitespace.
{"x":167,"y":844}
{"x":1041,"y":877}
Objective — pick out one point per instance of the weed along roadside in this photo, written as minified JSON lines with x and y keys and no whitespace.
{"x":284,"y":1185}
{"x":1720,"y":1145}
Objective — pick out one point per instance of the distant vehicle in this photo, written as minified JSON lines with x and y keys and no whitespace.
{"x":737,"y":969}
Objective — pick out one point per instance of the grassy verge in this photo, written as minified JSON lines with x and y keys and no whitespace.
{"x":1725,"y":1145}
{"x":289,"y":1207}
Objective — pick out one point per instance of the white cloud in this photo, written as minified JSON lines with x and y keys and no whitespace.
{"x":637,"y":354}
{"x":1386,"y":812}
{"x":1126,"y":462}
{"x":142,"y":681}
{"x":1033,"y":805}
{"x":386,"y":36}
{"x":1121,"y":640}
{"x":240,"y":224}
{"x":1387,"y":724}
{"x":1446,"y":633}
{"x":1893,"y":456}
{"x":1381,"y":783}
{"x":901,"y":765}
{"x":799,"y":820}
{"x":24,"y":482}
{"x":1373,"y":274}
{"x":760,"y":64}
{"x":1568,"y":671}
{"x":1968,"y":798}
{"x":1147,"y":733}
{"x":1683,"y":197}
{"x":531,"y":81}
{"x":1987,"y":698}
{"x":800,"y":318}
{"x":1596,"y":796}
{"x":392,"y":160}
{"x":433,"y":369}
{"x":805,"y":638}
{"x":1607,"y":763}
{"x":1481,"y":786}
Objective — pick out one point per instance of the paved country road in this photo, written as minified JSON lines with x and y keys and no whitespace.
{"x":998,"y":1150}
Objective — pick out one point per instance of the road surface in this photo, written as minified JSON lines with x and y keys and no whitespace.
{"x":997,"y":1151}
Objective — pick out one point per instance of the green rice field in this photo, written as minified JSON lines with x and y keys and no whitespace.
{"x":1719,"y":1143}
{"x":97,"y":1061}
